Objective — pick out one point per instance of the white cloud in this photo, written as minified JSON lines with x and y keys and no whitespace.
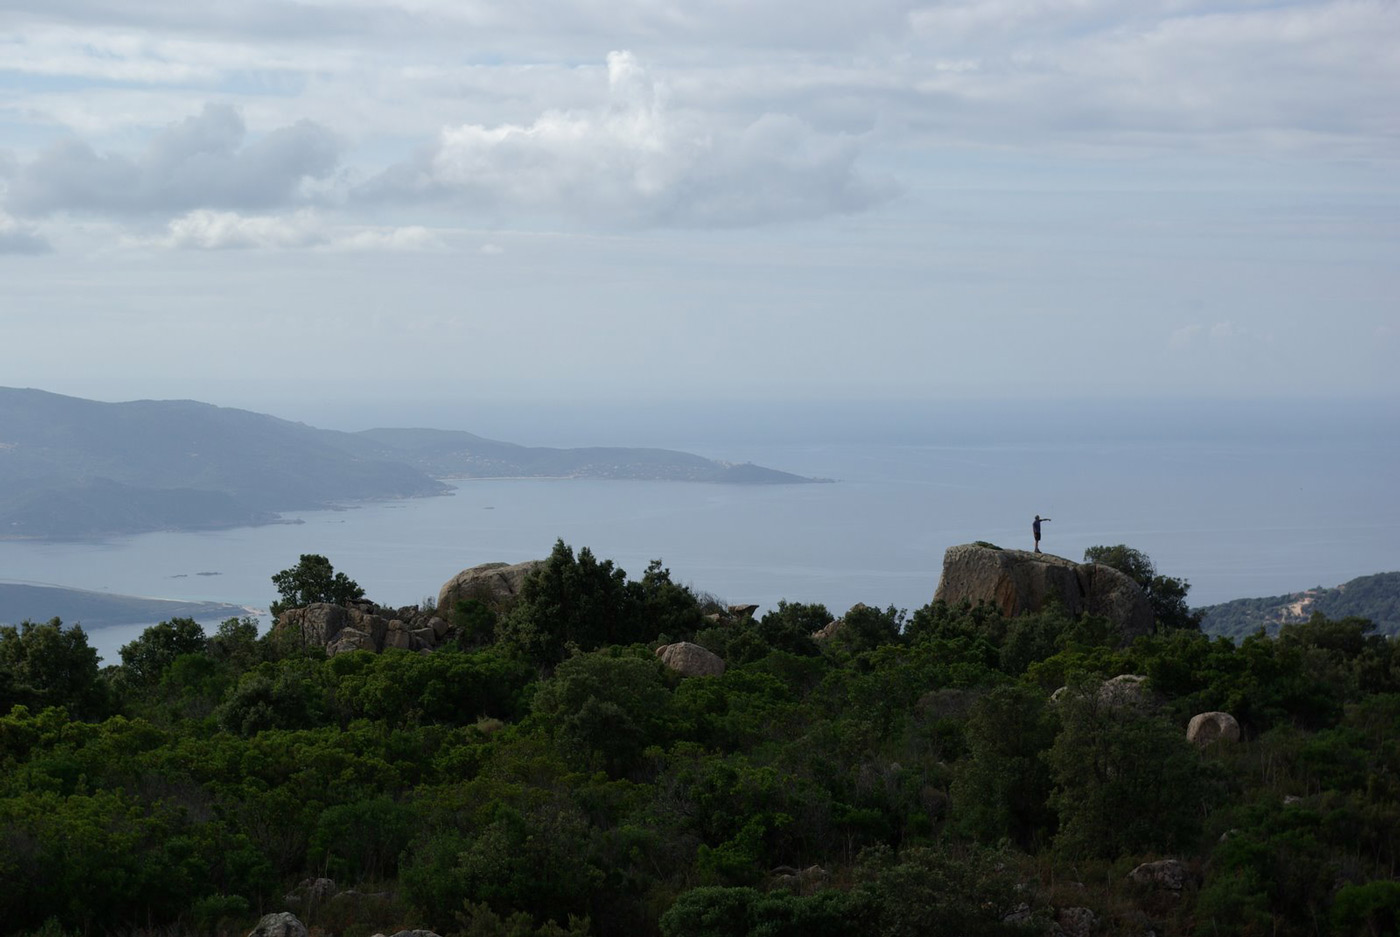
{"x":215,"y":230}
{"x":203,"y":161}
{"x":640,"y":161}
{"x":16,"y":238}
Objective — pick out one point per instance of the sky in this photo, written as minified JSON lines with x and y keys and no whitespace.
{"x":370,"y":205}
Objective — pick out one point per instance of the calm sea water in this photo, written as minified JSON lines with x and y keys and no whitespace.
{"x":1235,"y":517}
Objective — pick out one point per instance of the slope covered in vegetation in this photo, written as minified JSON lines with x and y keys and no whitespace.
{"x":548,"y":774}
{"x":1374,"y":597}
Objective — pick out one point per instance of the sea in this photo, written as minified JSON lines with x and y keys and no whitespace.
{"x":1239,"y":499}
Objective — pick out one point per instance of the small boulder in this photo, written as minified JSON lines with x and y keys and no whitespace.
{"x":1164,"y":873}
{"x":1126,"y":689}
{"x":1075,"y":922}
{"x":1205,"y":728}
{"x":742,"y":612}
{"x":691,"y":660}
{"x":279,"y":924}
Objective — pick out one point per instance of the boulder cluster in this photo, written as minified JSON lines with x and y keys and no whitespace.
{"x":361,"y":625}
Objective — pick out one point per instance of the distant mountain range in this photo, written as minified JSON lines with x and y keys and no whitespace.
{"x":74,"y":469}
{"x":1375,"y":597}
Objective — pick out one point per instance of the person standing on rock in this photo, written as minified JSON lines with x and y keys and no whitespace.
{"x":1035,"y":529}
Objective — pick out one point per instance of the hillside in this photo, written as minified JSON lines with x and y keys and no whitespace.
{"x":73,"y":468}
{"x":575,"y":753}
{"x":448,"y":454}
{"x":1375,"y":597}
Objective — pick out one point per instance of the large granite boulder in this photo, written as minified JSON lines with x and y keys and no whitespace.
{"x":691,"y":660}
{"x":1019,"y":582}
{"x":280,"y":924}
{"x":1164,"y":873}
{"x":1205,"y":728}
{"x":491,"y":583}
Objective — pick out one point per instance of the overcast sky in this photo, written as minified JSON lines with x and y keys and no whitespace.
{"x":251,"y":202}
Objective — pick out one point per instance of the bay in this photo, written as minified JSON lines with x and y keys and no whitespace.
{"x":1258,"y":517}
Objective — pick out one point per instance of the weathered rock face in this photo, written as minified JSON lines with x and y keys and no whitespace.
{"x":489,"y":582}
{"x":363,"y":626}
{"x":1205,"y":728}
{"x":1125,"y":691}
{"x":1019,"y":582}
{"x":1165,"y":873}
{"x":690,"y":660}
{"x":281,"y":924}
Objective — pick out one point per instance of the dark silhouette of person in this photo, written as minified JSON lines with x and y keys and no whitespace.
{"x":1035,"y":529}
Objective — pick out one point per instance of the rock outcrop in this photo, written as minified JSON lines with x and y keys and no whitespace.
{"x":363,"y":626}
{"x":280,"y":924}
{"x":1127,"y":690}
{"x":1019,"y":582}
{"x":491,"y":583}
{"x":1205,"y":728}
{"x":1170,"y":874}
{"x":691,"y":660}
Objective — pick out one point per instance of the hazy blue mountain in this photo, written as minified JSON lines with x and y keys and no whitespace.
{"x":444,"y":453}
{"x":73,"y":468}
{"x":79,"y":468}
{"x":19,"y":601}
{"x":1376,"y":597}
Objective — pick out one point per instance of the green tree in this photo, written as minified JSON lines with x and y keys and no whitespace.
{"x":313,"y":580}
{"x":580,"y":601}
{"x":1166,"y":594}
{"x":49,"y":665}
{"x":1125,"y":780}
{"x":145,"y":659}
{"x":1001,"y":788}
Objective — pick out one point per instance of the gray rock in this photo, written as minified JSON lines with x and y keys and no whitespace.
{"x":832,"y":629}
{"x":1075,"y":922}
{"x":337,"y":628}
{"x":280,"y":924}
{"x":315,"y":624}
{"x":1205,"y":728}
{"x":1021,"y":914}
{"x":690,"y":660}
{"x":1164,"y":873}
{"x":350,"y":639}
{"x":491,"y":583}
{"x":1122,"y":691}
{"x":1019,"y":582}
{"x":1126,"y":689}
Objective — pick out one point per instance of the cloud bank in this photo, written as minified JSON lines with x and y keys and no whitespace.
{"x":17,"y":238}
{"x":201,"y":162}
{"x":639,"y":161}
